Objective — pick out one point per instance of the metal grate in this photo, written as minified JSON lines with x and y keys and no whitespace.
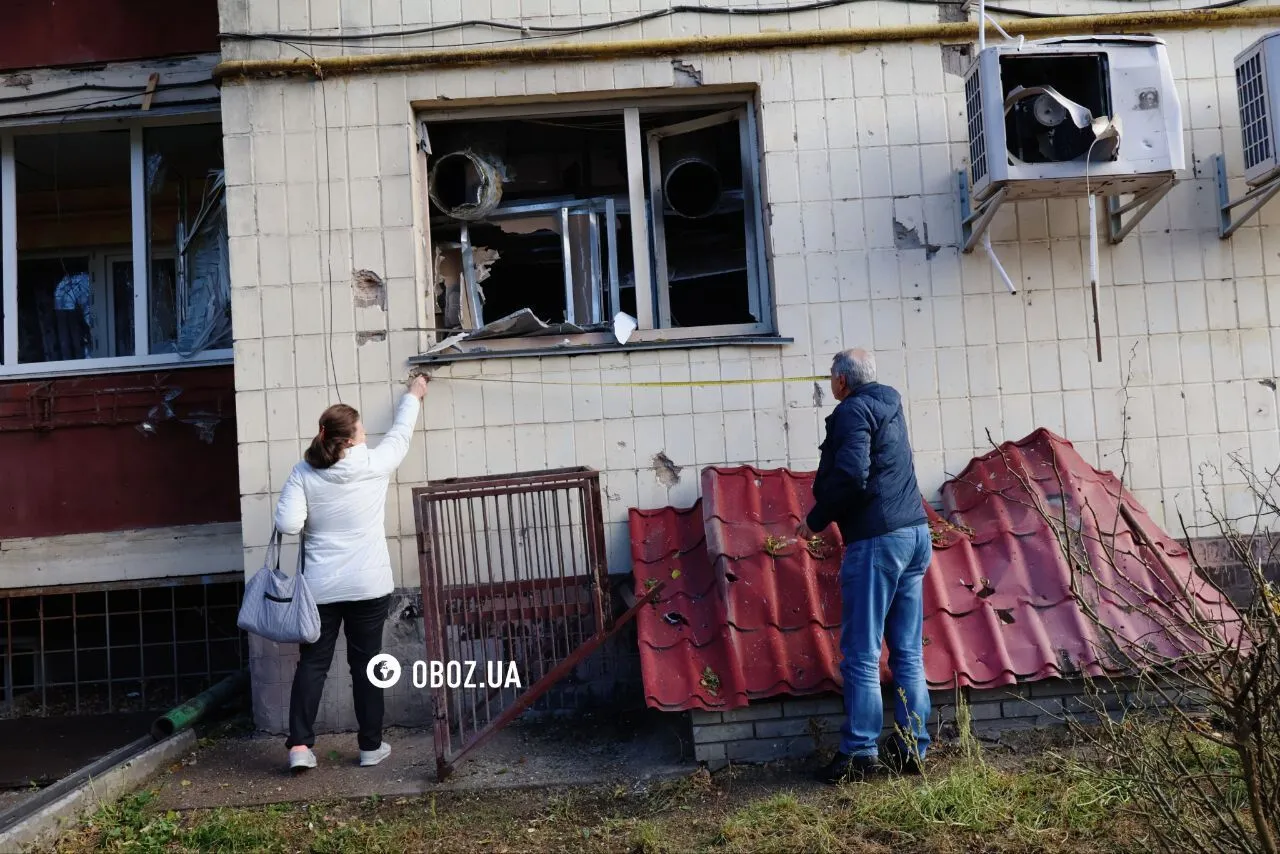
{"x":117,"y":647}
{"x":977,"y":136}
{"x":513,"y":570}
{"x":1255,"y":130}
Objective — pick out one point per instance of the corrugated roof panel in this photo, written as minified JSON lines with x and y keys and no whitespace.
{"x":748,"y":614}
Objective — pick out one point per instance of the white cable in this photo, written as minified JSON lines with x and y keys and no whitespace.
{"x":1093,"y":247}
{"x":1001,"y":30}
{"x":991,"y":253}
{"x":1093,"y":240}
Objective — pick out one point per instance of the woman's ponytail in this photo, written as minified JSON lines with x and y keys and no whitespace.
{"x":337,"y":428}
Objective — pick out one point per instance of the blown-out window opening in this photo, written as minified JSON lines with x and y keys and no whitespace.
{"x":83,"y":209}
{"x":610,"y":223}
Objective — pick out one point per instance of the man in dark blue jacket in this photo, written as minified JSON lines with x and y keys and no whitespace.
{"x":866,"y":484}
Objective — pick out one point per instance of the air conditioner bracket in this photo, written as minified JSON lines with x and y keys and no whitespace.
{"x":974,"y":221}
{"x":1255,"y":198}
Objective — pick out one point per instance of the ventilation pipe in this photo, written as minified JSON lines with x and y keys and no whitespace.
{"x":465,"y":185}
{"x":692,"y":187}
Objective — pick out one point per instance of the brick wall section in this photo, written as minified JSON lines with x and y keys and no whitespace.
{"x":1220,"y":562}
{"x":795,"y":728}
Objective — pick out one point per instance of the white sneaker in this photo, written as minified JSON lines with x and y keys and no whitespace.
{"x":301,"y":760}
{"x":369,"y":758}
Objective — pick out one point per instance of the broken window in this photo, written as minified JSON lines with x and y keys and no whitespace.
{"x":536,"y":219}
{"x":84,"y":211}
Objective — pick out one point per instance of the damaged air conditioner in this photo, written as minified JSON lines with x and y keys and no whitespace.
{"x":1072,"y":116}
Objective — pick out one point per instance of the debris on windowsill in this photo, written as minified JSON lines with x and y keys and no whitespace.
{"x":521,"y":324}
{"x":446,"y":344}
{"x":623,"y":325}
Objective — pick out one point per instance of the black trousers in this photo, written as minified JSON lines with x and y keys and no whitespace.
{"x":362,"y":622}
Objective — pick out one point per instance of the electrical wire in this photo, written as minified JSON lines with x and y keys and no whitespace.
{"x":531,"y":32}
{"x":1026,"y":13}
{"x":99,"y":87}
{"x":331,"y":372}
{"x":53,"y":111}
{"x":630,"y":20}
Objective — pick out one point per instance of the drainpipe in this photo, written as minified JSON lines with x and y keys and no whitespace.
{"x":190,"y":712}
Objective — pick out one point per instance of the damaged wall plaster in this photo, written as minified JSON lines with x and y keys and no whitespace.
{"x":369,"y":289}
{"x":667,"y":472}
{"x":686,"y":74}
{"x":956,"y":58}
{"x":905,"y":237}
{"x":363,"y":338}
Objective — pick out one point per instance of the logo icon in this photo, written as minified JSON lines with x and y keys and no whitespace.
{"x":383,"y":670}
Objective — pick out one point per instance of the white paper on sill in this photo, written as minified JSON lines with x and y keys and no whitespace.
{"x":623,"y":325}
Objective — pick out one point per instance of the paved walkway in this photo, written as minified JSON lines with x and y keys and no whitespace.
{"x":251,"y":770}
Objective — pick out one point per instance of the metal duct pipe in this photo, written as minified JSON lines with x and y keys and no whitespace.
{"x":465,"y":185}
{"x":692,"y":187}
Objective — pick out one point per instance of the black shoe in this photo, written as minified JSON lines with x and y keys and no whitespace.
{"x":897,"y":757}
{"x":844,"y":768}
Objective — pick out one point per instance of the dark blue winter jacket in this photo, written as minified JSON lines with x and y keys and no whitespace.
{"x":866,"y":482}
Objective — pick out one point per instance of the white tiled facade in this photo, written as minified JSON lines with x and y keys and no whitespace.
{"x":860,"y":149}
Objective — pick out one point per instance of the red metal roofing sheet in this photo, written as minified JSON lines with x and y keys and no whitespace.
{"x":745,"y":617}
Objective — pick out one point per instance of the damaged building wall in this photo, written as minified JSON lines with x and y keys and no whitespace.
{"x":152,"y":454}
{"x":859,"y":150}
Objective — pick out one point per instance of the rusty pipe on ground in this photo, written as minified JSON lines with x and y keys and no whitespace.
{"x":465,"y":185}
{"x":1124,"y":22}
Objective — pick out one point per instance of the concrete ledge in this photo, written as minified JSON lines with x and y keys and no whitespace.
{"x":148,"y":553}
{"x":43,"y":826}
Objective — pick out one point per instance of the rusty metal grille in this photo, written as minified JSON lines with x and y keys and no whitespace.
{"x":513,"y":570}
{"x":117,"y":647}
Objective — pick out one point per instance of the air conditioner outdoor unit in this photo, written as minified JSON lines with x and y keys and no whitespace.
{"x":1069,"y":116}
{"x":1257,"y":72}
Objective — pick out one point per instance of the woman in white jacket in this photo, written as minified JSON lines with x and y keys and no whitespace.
{"x":338,"y":494}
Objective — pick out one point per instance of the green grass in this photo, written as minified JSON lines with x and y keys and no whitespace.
{"x":963,"y":805}
{"x":782,"y":823}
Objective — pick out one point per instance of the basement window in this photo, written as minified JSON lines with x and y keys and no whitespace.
{"x":113,"y":248}
{"x":596,"y":223}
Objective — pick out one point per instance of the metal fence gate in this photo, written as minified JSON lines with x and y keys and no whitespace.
{"x":513,"y":575}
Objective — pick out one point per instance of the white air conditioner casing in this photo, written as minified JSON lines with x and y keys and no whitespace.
{"x":1124,"y":78}
{"x":1257,"y":73}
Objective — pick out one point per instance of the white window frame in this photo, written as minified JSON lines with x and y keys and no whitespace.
{"x":10,"y":367}
{"x":641,"y":146}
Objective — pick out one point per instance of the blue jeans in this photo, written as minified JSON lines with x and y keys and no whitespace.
{"x":882,"y":588}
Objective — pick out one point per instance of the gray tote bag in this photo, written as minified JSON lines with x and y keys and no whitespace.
{"x":278,"y":606}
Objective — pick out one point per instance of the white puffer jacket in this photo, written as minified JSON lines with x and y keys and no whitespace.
{"x":343,"y":509}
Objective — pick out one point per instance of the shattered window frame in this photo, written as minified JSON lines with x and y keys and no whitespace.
{"x":139,"y":251}
{"x":653,"y":324}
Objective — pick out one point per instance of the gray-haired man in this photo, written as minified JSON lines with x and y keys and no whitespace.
{"x":866,"y":484}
